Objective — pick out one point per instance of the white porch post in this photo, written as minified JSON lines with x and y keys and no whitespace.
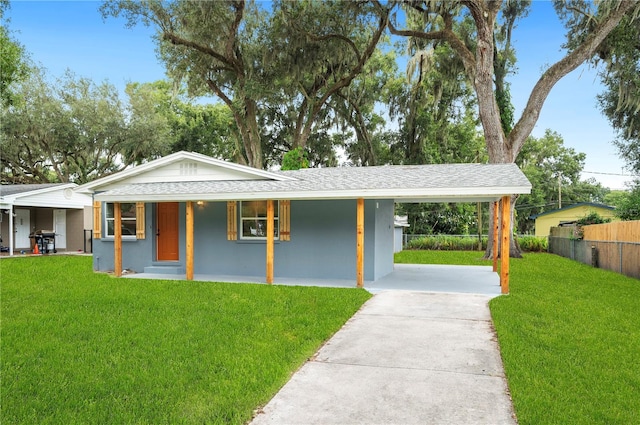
{"x":12,"y":234}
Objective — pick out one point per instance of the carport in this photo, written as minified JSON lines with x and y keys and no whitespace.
{"x":26,"y":208}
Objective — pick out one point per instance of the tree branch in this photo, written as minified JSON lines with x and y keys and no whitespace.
{"x":177,"y":40}
{"x":343,"y":82}
{"x":326,"y":37}
{"x":447,"y":35}
{"x":239,"y":7}
{"x":218,"y":92}
{"x":561,"y":68}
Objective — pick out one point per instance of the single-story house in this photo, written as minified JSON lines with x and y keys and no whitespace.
{"x":189,"y":213}
{"x":55,"y":207}
{"x":569,"y":214}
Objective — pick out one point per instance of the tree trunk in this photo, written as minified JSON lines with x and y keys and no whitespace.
{"x":251,"y":139}
{"x":514,"y":247}
{"x":497,"y":147}
{"x":247,"y":122}
{"x":479,"y":68}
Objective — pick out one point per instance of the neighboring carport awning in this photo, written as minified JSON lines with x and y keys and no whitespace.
{"x":403,"y":183}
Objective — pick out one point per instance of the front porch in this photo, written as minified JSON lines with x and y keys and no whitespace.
{"x":405,"y":277}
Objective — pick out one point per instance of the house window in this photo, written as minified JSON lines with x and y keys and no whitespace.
{"x":253,"y":220}
{"x":128,"y":217}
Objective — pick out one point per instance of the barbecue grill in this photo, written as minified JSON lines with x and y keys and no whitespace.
{"x":46,"y":240}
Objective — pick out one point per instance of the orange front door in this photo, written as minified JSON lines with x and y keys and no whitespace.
{"x":167,"y":234}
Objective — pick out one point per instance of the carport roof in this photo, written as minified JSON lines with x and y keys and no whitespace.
{"x":403,"y":183}
{"x":15,"y":189}
{"x":47,"y":195}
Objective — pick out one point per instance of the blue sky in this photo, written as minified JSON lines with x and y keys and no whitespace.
{"x":72,"y":35}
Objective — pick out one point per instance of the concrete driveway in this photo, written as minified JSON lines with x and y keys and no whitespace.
{"x":404,"y":358}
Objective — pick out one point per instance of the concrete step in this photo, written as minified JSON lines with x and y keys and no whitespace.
{"x":165,"y":269}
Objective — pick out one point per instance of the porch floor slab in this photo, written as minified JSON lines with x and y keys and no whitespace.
{"x":404,"y":277}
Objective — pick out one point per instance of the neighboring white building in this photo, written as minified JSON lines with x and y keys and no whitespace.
{"x":55,"y":207}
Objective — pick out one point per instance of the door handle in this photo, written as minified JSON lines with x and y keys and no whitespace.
{"x":158,"y":232}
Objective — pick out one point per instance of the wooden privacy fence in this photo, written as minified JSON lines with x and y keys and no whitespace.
{"x":611,"y":246}
{"x":621,"y":231}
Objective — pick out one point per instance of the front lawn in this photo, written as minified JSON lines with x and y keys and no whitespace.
{"x":81,"y":347}
{"x":569,"y":336}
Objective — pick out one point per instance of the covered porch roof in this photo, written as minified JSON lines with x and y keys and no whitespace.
{"x":403,"y":183}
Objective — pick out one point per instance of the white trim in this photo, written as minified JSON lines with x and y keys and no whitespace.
{"x":405,"y":195}
{"x":174,"y":157}
{"x":52,"y":200}
{"x":106,"y":234}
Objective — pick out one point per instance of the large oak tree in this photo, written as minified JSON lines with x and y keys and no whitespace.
{"x":74,"y":130}
{"x":295,"y":56}
{"x":434,"y":21}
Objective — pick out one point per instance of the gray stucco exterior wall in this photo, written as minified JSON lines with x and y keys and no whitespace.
{"x":322,"y":245}
{"x":383,"y":237}
{"x":136,"y":253}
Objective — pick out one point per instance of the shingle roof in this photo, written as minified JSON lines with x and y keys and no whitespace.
{"x":14,"y":189}
{"x":403,"y":181}
{"x":415,"y":176}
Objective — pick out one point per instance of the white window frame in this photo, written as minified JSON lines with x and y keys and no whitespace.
{"x":257,"y":218}
{"x":132,"y":221}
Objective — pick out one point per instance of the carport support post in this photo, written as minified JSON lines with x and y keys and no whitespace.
{"x":504,"y":249}
{"x":189,"y":240}
{"x":270,"y":226}
{"x":117,"y":239}
{"x":360,"y":243}
{"x":495,"y":235}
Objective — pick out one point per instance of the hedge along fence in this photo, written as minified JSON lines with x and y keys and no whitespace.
{"x":467,"y":243}
{"x":610,"y":246}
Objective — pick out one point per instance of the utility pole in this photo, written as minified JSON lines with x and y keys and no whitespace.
{"x":559,"y":191}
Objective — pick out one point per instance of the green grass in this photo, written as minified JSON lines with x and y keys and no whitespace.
{"x":569,"y":336}
{"x":80,"y":347}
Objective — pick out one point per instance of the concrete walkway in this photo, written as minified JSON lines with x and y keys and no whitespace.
{"x":404,"y":358}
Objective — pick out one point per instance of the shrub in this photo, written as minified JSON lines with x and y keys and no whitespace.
{"x":533,"y":243}
{"x":592,"y":218}
{"x":447,"y":243}
{"x":470,"y":243}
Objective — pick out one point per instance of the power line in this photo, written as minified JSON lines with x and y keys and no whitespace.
{"x":612,"y":174}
